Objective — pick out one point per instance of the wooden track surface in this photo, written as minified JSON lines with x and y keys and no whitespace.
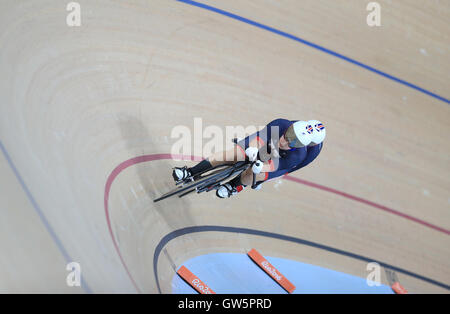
{"x":78,"y":102}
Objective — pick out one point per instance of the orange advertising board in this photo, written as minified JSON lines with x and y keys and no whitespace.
{"x":271,"y":271}
{"x":194,"y":281}
{"x":398,"y":288}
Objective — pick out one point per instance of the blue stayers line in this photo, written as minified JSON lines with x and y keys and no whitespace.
{"x":310,"y":44}
{"x":41,"y":215}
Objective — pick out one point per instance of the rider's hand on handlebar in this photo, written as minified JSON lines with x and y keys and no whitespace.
{"x":257,"y":167}
{"x":252,"y":153}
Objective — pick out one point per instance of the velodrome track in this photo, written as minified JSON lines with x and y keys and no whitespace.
{"x":85,"y":138}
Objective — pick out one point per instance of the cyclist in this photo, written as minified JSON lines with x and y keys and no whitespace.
{"x":281,"y":147}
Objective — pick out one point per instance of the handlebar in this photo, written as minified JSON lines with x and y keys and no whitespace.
{"x":235,"y":141}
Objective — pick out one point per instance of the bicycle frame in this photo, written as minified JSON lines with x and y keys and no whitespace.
{"x":209,"y":182}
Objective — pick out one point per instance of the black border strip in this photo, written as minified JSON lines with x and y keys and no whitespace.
{"x":195,"y":229}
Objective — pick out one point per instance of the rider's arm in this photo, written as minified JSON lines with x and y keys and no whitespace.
{"x":268,"y":166}
{"x":270,"y":133}
{"x":289,"y":161}
{"x":313,"y":152}
{"x":261,"y":139}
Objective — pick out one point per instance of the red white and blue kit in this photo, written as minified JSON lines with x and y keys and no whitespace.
{"x":288,"y":160}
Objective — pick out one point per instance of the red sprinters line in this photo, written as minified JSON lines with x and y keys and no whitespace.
{"x":109,"y":182}
{"x":366,"y":202}
{"x":136,"y":160}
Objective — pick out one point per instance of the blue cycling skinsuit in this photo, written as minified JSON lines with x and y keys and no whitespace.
{"x":289,"y":160}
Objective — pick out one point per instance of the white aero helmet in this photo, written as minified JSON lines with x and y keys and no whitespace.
{"x":319,"y":132}
{"x":298,"y":134}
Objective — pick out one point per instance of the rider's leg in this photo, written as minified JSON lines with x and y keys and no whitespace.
{"x":234,"y":154}
{"x":246,"y":178}
{"x":220,"y":158}
{"x":230,"y":156}
{"x":225,"y":157}
{"x":237,"y":152}
{"x":237,"y":184}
